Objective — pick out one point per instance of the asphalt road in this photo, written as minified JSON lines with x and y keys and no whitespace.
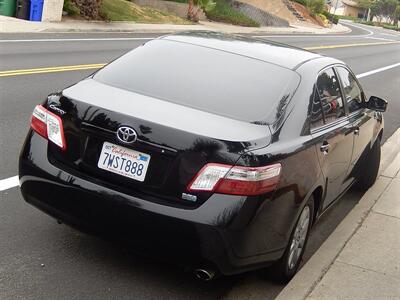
{"x":42,"y":260}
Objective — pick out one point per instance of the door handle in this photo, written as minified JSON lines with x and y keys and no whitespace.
{"x":357,"y":131}
{"x":325,"y":148}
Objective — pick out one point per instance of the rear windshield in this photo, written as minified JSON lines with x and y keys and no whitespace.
{"x":206,"y":79}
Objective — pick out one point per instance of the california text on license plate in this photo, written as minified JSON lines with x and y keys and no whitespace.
{"x":123,"y":161}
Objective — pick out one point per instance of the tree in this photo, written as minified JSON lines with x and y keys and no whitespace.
{"x":191,"y":15}
{"x":384,"y":8}
{"x":366,"y":5}
{"x":315,"y":6}
{"x":397,"y":15}
{"x":390,"y":8}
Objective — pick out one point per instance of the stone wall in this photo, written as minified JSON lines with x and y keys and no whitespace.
{"x":178,"y":9}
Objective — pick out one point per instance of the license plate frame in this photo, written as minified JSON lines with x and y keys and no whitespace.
{"x":124,"y":161}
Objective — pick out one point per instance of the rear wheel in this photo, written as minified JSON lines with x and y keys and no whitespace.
{"x":288,"y":265}
{"x":369,"y":172}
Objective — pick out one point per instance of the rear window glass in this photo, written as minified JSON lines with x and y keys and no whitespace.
{"x":210,"y":80}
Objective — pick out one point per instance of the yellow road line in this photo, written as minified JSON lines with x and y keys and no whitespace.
{"x":350,"y":45}
{"x":97,"y":66}
{"x":50,"y":70}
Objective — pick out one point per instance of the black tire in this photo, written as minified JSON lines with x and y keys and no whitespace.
{"x":283,"y":272}
{"x":370,"y":169}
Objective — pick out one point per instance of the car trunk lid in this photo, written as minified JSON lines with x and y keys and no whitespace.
{"x":180,"y":140}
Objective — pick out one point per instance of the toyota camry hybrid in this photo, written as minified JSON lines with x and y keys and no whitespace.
{"x":213,"y":151}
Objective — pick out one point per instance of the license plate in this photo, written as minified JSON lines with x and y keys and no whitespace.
{"x":123,"y":161}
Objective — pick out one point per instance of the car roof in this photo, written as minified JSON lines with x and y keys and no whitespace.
{"x":272,"y":52}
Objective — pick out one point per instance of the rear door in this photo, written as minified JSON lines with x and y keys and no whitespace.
{"x":333,"y":132}
{"x":362,"y":119}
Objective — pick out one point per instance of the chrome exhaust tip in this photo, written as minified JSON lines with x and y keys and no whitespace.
{"x":204,"y":274}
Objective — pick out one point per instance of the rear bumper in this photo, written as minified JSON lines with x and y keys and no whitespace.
{"x":205,"y":236}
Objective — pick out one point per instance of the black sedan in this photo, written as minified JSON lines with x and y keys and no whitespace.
{"x":215,"y":151}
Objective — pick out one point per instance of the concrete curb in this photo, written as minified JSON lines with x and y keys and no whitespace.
{"x":12,"y":25}
{"x":314,"y":270}
{"x":255,"y":32}
{"x":153,"y":31}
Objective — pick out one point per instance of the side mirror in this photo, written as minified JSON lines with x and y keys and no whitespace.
{"x":377,"y":104}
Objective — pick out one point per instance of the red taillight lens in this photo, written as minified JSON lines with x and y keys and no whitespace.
{"x":235,"y":180}
{"x":48,"y":125}
{"x":39,"y":120}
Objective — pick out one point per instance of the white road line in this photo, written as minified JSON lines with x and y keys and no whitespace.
{"x":11,"y":182}
{"x":378,"y":38}
{"x":388,"y":34}
{"x":377,"y":70}
{"x":369,"y":33}
{"x":310,"y":36}
{"x":78,"y":40}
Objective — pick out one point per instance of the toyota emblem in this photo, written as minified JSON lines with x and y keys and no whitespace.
{"x":126,"y":134}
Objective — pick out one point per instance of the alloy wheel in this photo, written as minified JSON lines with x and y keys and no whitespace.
{"x":299,"y":238}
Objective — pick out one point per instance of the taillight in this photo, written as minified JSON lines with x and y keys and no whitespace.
{"x":236,"y":180}
{"x":48,"y":125}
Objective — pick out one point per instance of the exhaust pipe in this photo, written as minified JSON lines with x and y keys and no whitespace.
{"x":204,"y":274}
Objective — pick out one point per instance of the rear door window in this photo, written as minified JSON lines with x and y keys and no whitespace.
{"x":316,"y":115}
{"x":352,"y":91}
{"x":328,"y":90}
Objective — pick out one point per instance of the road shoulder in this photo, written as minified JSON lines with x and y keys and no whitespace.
{"x":360,"y":258}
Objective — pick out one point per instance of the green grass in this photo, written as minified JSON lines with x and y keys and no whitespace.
{"x":223,"y":12}
{"x":391,"y":27}
{"x":122,"y":10}
{"x":384,"y":25}
{"x":351,"y":18}
{"x":366,"y":22}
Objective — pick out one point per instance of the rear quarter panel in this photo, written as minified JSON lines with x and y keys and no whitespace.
{"x":269,"y":224}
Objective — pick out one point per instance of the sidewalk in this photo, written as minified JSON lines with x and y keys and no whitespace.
{"x":361,"y":259}
{"x":14,"y":25}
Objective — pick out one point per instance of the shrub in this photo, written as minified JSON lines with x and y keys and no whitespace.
{"x":324,"y":19}
{"x":392,"y":27}
{"x":71,"y":8}
{"x":386,"y":26}
{"x":348,"y":18}
{"x":206,"y":5}
{"x":89,"y":9}
{"x":331,"y":17}
{"x":367,"y":23}
{"x":302,"y":2}
{"x":315,"y":6}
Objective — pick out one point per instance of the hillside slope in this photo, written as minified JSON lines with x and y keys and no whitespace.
{"x":275,"y":7}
